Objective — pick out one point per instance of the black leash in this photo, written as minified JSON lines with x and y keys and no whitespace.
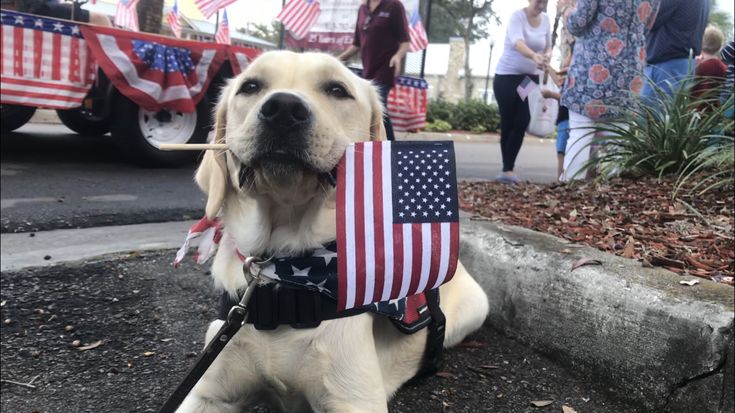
{"x":235,"y":320}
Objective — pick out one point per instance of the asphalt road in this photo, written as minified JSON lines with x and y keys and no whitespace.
{"x":145,"y":323}
{"x":53,"y":178}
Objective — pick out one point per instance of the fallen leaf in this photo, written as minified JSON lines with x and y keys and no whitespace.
{"x":471,"y":344}
{"x":689,"y":283}
{"x":90,"y":346}
{"x":629,"y":248}
{"x":541,"y":403}
{"x":567,"y":409}
{"x":585,"y":261}
{"x":444,"y":374}
{"x":149,"y":353}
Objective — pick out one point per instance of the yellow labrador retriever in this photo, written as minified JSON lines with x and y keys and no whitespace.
{"x":286,"y":121}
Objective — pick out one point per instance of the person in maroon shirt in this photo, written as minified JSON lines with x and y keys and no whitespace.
{"x":710,"y":71}
{"x":381,"y":37}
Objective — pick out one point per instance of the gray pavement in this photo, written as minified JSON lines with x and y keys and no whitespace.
{"x":52,"y":178}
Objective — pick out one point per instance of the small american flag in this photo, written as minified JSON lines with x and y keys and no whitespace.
{"x":45,"y":62}
{"x":209,"y":7}
{"x":298,"y":16}
{"x":526,"y":87}
{"x":126,"y":14}
{"x":416,"y":33}
{"x":397,"y":220}
{"x":223,"y":31}
{"x":173,"y":19}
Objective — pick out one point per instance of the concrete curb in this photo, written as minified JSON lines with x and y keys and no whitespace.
{"x":654,"y":341}
{"x":69,"y":245}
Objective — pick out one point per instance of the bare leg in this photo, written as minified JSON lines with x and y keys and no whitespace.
{"x":99,"y":19}
{"x":559,"y":165}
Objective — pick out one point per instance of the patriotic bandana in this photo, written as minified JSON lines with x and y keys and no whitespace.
{"x":314,"y":271}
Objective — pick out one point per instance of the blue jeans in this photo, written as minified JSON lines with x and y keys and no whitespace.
{"x":383,"y":91}
{"x":666,"y":75}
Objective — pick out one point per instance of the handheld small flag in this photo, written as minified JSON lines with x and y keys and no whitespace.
{"x":397,"y":220}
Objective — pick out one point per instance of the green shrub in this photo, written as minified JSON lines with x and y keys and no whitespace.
{"x":478,"y":129}
{"x":438,"y":126}
{"x":474,"y":115}
{"x":666,"y":135}
{"x":439,"y":110}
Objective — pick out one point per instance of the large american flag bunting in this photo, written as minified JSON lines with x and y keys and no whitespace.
{"x":155,"y":72}
{"x":298,"y":16}
{"x":407,"y":103}
{"x":209,"y":7}
{"x":416,"y":33}
{"x":223,"y":31}
{"x":126,"y":14}
{"x":397,"y":220}
{"x":173,"y":19}
{"x":240,"y":57}
{"x":45,"y":62}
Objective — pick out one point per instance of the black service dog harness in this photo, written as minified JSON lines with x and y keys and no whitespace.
{"x":304,"y":294}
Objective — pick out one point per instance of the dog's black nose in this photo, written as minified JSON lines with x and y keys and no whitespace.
{"x":284,"y":111}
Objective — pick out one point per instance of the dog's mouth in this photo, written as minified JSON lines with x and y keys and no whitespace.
{"x":280,"y":168}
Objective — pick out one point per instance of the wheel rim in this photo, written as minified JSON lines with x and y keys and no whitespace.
{"x":166,"y":126}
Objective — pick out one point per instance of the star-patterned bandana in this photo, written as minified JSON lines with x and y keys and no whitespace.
{"x":317,"y":271}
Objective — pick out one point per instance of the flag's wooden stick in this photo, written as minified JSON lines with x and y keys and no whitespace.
{"x":192,"y":146}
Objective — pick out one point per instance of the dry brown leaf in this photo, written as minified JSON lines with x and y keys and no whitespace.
{"x":541,"y":403}
{"x":585,"y":261}
{"x":90,"y":346}
{"x":567,"y":409}
{"x":689,"y":283}
{"x":629,"y":250}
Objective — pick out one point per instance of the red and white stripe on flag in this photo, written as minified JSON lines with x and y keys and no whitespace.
{"x":173,"y":20}
{"x":45,"y":62}
{"x":223,"y":31}
{"x":298,"y":16}
{"x":209,"y":7}
{"x":407,"y":103}
{"x":126,"y":14}
{"x":397,"y":220}
{"x":416,"y":33}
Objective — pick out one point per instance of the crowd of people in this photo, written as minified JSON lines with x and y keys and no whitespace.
{"x":620,"y":49}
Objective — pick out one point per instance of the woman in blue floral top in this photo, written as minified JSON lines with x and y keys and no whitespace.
{"x":609,"y":57}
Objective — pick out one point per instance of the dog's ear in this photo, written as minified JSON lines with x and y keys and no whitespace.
{"x":377,"y":128}
{"x":212,"y":176}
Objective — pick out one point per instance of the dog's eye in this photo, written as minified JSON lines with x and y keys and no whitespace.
{"x":337,"y":90}
{"x":250,"y":87}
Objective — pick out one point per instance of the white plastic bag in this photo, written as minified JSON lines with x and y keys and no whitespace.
{"x":543,"y":111}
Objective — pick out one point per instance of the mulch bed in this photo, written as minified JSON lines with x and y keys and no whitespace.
{"x":632,"y":218}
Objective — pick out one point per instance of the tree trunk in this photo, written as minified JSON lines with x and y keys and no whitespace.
{"x":468,"y":84}
{"x":150,"y":15}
